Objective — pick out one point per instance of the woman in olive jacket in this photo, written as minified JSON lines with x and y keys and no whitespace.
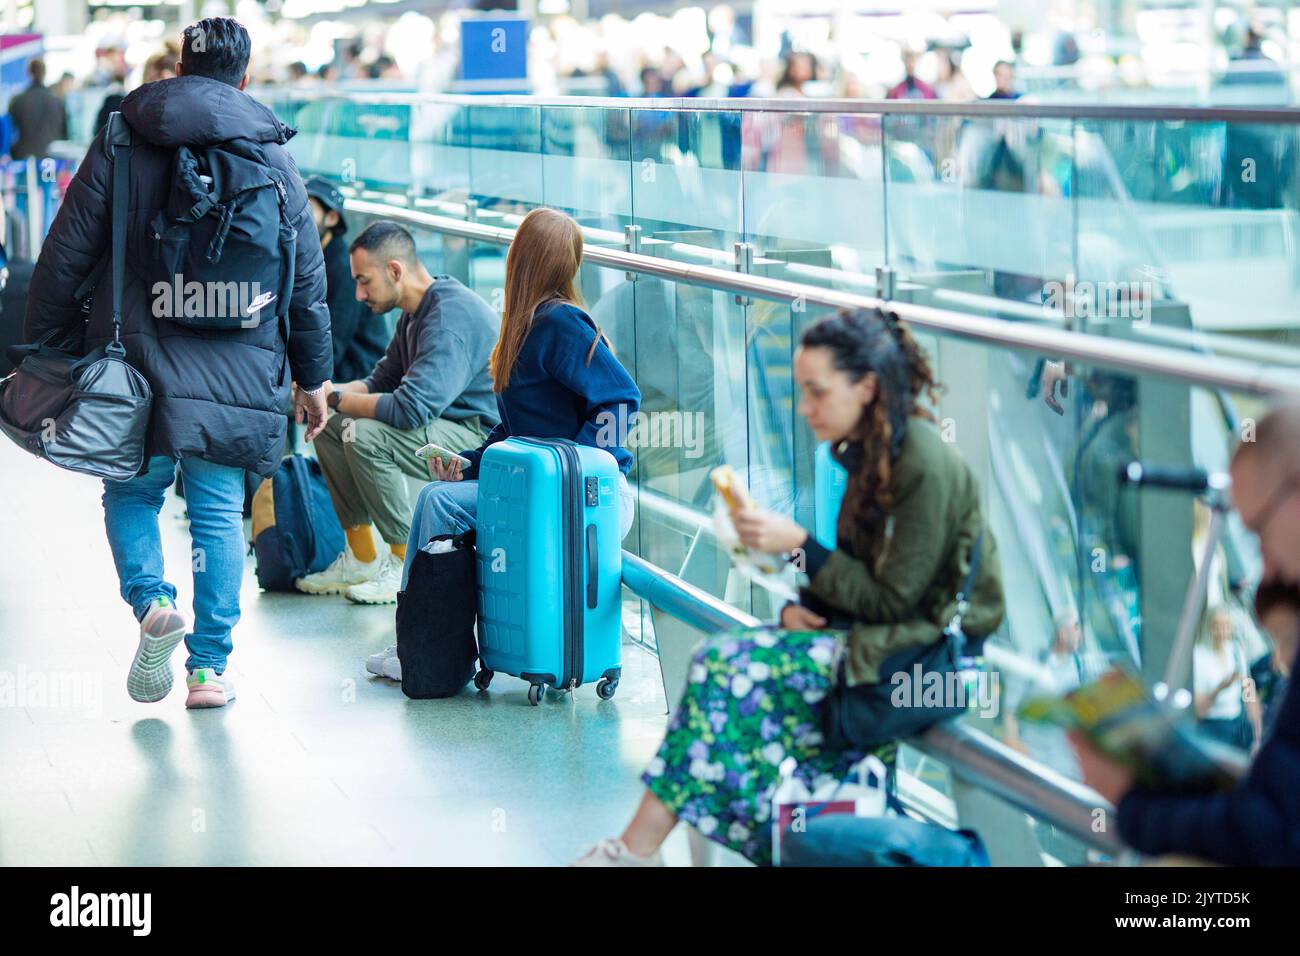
{"x":910,"y":518}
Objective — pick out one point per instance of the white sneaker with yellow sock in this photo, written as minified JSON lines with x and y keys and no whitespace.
{"x":341,"y":575}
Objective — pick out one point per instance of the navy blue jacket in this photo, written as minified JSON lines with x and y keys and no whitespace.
{"x":1257,"y":823}
{"x":554,"y":393}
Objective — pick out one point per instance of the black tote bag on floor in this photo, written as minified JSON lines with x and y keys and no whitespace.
{"x":436,"y":614}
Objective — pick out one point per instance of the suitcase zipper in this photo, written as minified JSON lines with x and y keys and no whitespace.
{"x":571,"y":517}
{"x":573,"y":580}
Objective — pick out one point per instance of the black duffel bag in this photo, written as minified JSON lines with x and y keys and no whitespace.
{"x":436,"y":614}
{"x":868,"y":715}
{"x":86,"y":413}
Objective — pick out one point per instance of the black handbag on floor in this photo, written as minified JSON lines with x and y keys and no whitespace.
{"x":86,"y":413}
{"x":436,"y":614}
{"x":868,"y":715}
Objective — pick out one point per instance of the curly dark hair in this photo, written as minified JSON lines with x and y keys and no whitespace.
{"x":863,"y":342}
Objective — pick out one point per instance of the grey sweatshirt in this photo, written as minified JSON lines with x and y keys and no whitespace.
{"x":436,"y":365}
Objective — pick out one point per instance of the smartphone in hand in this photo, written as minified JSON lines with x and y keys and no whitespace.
{"x":445,"y":455}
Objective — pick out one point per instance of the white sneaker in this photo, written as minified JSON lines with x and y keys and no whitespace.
{"x":341,"y":575}
{"x":209,"y":689}
{"x":161,"y":629}
{"x":393,"y":666}
{"x":375,"y":662}
{"x":616,"y":853}
{"x":383,"y":587}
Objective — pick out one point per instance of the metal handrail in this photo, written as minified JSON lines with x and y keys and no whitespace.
{"x":1234,"y":374}
{"x":971,"y":755}
{"x":1017,"y":109}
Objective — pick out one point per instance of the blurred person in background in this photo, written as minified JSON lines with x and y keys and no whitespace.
{"x":613,"y":85}
{"x":798,"y":70}
{"x":952,"y":84}
{"x":652,"y":82}
{"x":1257,"y":822}
{"x":116,"y":92}
{"x":1252,"y":65}
{"x":384,"y":68}
{"x":1004,"y":81}
{"x":160,"y":66}
{"x":1061,"y":671}
{"x":350,"y":66}
{"x":910,"y":87}
{"x":724,"y":33}
{"x":39,"y":116}
{"x":1219,"y":672}
{"x":110,"y":65}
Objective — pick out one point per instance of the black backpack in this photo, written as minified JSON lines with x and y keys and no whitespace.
{"x":220,"y":254}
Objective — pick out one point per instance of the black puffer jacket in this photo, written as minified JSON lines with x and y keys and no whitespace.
{"x":218,"y":395}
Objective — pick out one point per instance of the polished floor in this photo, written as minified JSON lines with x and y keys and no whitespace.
{"x":315,"y":763}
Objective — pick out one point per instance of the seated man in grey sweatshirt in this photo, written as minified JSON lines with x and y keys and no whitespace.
{"x":432,"y":385}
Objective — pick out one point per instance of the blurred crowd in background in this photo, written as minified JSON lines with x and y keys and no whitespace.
{"x":773,"y":49}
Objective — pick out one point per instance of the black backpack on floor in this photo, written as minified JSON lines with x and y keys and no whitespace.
{"x":436,"y":615}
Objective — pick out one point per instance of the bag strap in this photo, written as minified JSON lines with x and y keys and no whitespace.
{"x":88,"y":284}
{"x":968,"y":585}
{"x":121,"y":146}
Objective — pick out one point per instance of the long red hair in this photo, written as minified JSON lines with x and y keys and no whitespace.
{"x":542,"y":265}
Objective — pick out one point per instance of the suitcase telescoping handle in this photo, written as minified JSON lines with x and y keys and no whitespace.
{"x":593,"y":567}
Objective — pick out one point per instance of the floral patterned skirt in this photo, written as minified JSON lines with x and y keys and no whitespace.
{"x":753,"y":698}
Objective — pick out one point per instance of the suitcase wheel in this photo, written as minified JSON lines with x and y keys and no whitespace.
{"x":482,"y":678}
{"x":535,"y":693}
{"x":605,"y":688}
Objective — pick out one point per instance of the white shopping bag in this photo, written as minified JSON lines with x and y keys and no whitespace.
{"x":793,"y":806}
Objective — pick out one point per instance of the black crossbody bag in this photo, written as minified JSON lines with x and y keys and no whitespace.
{"x":85,"y":413}
{"x":864,"y":716}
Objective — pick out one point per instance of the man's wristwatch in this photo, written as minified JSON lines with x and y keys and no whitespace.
{"x":333,"y":398}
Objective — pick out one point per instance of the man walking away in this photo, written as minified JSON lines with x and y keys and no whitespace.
{"x":218,"y":396}
{"x":432,"y":385}
{"x":359,"y":336}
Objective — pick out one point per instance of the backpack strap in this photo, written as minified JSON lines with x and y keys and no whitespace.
{"x":121,"y":145}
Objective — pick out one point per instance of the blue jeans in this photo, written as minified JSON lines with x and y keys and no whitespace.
{"x":842,"y":840}
{"x":214,"y":497}
{"x":444,"y":507}
{"x":450,"y":507}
